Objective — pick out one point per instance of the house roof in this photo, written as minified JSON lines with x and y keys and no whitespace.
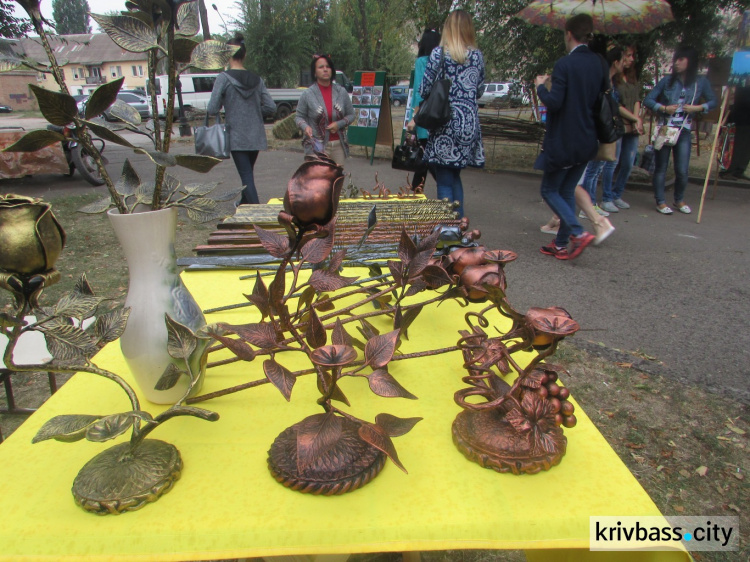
{"x":87,"y":48}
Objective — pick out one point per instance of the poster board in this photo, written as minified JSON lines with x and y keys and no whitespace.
{"x":372,"y":111}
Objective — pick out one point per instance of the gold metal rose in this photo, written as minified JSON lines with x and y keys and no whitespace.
{"x":30,"y":236}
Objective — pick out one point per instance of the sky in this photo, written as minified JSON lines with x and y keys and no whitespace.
{"x":227,"y":9}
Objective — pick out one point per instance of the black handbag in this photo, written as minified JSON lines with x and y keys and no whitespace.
{"x":435,"y":111}
{"x":407,"y":156}
{"x":607,"y":119}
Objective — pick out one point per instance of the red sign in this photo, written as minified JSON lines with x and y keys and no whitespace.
{"x":368,"y":79}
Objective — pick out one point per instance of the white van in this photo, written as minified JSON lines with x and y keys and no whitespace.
{"x":196,"y":91}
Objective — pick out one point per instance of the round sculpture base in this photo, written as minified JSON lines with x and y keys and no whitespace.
{"x":116,"y":481}
{"x":486,"y":438}
{"x":348,"y":465}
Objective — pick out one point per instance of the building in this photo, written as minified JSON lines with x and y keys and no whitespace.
{"x":87,"y":61}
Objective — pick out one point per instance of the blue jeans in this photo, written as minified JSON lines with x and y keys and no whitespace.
{"x":244,"y":160}
{"x":449,"y":185}
{"x":681,"y":161}
{"x":606,"y":170}
{"x":627,"y":158}
{"x":558,"y":191}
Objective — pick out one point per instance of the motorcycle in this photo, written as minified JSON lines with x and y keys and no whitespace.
{"x":78,"y":156}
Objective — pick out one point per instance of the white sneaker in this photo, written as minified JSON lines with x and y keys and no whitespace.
{"x":582,"y":215}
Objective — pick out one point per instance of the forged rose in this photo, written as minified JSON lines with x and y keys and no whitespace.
{"x":30,"y":236}
{"x":550,"y":324}
{"x":312,"y":195}
{"x":464,"y":257}
{"x":474,"y":277}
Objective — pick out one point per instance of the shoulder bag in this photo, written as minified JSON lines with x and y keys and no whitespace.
{"x":435,"y":111}
{"x":667,"y":135}
{"x":212,"y":140}
{"x":607,"y":119}
{"x":408,"y":156}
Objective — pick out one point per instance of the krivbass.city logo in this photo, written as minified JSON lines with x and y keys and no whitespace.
{"x":696,"y":533}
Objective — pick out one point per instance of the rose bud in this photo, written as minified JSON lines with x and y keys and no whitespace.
{"x":463,"y":257}
{"x":474,"y":277}
{"x":312,"y":195}
{"x":30,"y":236}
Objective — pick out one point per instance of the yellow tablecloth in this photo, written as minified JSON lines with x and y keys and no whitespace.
{"x":227,"y":505}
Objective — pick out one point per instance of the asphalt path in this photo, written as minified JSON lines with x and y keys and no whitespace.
{"x":664,"y":293}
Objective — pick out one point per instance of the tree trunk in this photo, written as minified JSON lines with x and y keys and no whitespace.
{"x":204,"y":19}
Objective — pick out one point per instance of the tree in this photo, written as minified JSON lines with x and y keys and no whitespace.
{"x":71,"y":16}
{"x":526,"y":50}
{"x":12,"y":27}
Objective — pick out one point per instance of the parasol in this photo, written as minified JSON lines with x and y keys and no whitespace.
{"x":611,"y":17}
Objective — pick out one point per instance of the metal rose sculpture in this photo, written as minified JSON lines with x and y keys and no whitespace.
{"x":128,"y":475}
{"x":334,"y":452}
{"x":517,"y":428}
{"x":166,"y":31}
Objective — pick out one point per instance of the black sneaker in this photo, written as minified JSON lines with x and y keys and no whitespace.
{"x":552,"y":250}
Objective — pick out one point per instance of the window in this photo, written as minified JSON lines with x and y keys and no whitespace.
{"x":129,"y":98}
{"x":491,"y":87}
{"x":203,"y":83}
{"x":116,"y":71}
{"x":137,"y":70}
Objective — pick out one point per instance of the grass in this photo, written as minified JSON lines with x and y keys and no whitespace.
{"x":664,"y":430}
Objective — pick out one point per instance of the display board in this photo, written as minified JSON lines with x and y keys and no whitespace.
{"x":372,"y":111}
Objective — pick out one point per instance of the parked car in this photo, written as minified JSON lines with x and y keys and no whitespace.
{"x":399,"y":95}
{"x":134,"y":99}
{"x":511,"y":94}
{"x":5,"y":109}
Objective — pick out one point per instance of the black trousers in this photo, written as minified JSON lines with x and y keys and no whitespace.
{"x":741,"y":153}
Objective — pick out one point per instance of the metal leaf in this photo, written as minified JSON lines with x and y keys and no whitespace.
{"x":241,"y":349}
{"x":406,"y":248}
{"x":129,"y":180}
{"x":97,"y":206}
{"x":372,"y":221}
{"x":107,"y":134}
{"x":125,"y":112}
{"x":104,"y":96}
{"x":128,"y":32}
{"x":196,"y":162}
{"x":212,"y":55}
{"x":66,"y":342}
{"x":200,"y":189}
{"x":82,"y":286}
{"x":187,"y":22}
{"x":406,"y":320}
{"x":181,"y":341}
{"x":394,"y":426}
{"x":379,"y":349}
{"x":306,"y":298}
{"x":435,"y":276}
{"x":325,"y":281}
{"x":109,"y":427}
{"x":316,"y":333}
{"x":169,"y":377}
{"x":202,"y":210}
{"x":259,"y":296}
{"x":368,"y":330}
{"x":274,"y":243}
{"x":260,"y":335}
{"x":317,"y":249}
{"x":383,"y":384}
{"x":57,"y":108}
{"x":35,"y":140}
{"x":277,"y":289}
{"x":66,"y":428}
{"x":157,"y":157}
{"x":316,"y":435}
{"x":74,"y":305}
{"x":340,"y":336}
{"x":396,"y":269}
{"x":378,"y":438}
{"x":281,"y":377}
{"x":108,"y":327}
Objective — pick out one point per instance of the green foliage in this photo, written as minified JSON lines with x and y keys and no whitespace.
{"x":71,"y":16}
{"x":11,"y":26}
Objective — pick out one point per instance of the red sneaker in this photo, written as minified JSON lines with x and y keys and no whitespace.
{"x":552,"y":250}
{"x":579,"y":243}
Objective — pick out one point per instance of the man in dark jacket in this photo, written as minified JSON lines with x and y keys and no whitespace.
{"x":740,"y":116}
{"x":570,"y":140}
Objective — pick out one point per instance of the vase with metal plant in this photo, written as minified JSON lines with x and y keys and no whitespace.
{"x":517,"y":427}
{"x":146,"y":210}
{"x":131,"y":474}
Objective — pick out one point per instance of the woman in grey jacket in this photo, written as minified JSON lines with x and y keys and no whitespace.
{"x":675,"y":99}
{"x":324,"y":112}
{"x":246,"y":102}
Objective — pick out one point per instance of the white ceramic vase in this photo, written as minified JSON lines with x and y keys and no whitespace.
{"x":155,"y":288}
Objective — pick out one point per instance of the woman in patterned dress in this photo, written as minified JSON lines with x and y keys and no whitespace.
{"x":458,"y":143}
